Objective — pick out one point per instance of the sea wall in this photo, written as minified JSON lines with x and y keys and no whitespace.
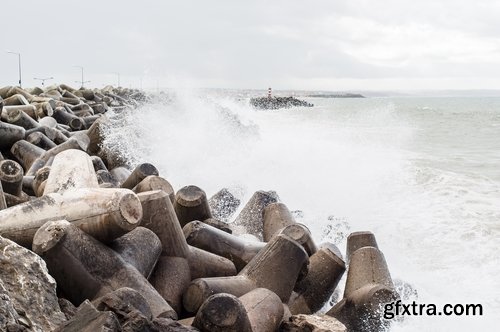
{"x":89,"y":243}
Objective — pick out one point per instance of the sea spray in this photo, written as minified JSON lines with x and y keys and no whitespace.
{"x":343,"y":166}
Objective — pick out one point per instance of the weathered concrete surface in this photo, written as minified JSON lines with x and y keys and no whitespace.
{"x":312,"y":323}
{"x":27,"y":290}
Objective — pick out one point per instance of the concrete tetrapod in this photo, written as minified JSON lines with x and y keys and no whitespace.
{"x":368,"y":287}
{"x":276,"y":267}
{"x":26,"y":153}
{"x":84,"y":268}
{"x":138,"y":174}
{"x":71,"y":169}
{"x":234,"y":248}
{"x":257,"y":310}
{"x":179,"y":263}
{"x":191,"y":204}
{"x":223,"y":204}
{"x":276,"y":217}
{"x":140,"y":248}
{"x":312,"y":292}
{"x":152,"y":182}
{"x":358,"y":240}
{"x":103,"y":213}
{"x":251,"y":218}
{"x":10,"y":134}
{"x":11,"y":177}
{"x":302,"y":235}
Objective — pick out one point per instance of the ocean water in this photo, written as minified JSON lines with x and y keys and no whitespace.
{"x":423,"y":174}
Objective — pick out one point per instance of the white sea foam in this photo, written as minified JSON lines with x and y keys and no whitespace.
{"x":349,"y":165}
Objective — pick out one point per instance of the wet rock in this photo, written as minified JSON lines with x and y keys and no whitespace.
{"x":68,"y":309}
{"x":312,"y":323}
{"x":89,"y":319}
{"x":24,"y":279}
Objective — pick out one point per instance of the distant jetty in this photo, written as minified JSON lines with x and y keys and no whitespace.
{"x":272,"y":103}
{"x":337,"y":95}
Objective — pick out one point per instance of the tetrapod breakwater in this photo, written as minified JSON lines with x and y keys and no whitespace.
{"x":90,"y":244}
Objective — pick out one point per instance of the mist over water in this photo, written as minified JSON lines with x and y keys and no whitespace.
{"x":421,"y":173}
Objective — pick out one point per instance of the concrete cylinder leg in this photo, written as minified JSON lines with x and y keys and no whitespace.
{"x":103,"y":213}
{"x":302,"y":235}
{"x":106,"y":180}
{"x":311,"y":293}
{"x":191,"y":204}
{"x":367,"y":266}
{"x":159,"y":216}
{"x":3,"y":203}
{"x":363,"y":309}
{"x":40,"y":180}
{"x":12,"y":200}
{"x":213,"y":240}
{"x":151,"y":183}
{"x":40,"y":140}
{"x":16,"y":115}
{"x":98,"y":164}
{"x":76,"y":142}
{"x":96,"y":134}
{"x":171,"y":278}
{"x":140,"y":248}
{"x":15,"y":100}
{"x":264,"y":309}
{"x":204,"y":264}
{"x":223,"y":204}
{"x":26,"y":153}
{"x":201,"y":289}
{"x":43,"y":109}
{"x":51,"y":133}
{"x":84,"y":268}
{"x":48,"y":122}
{"x":120,"y":174}
{"x":276,"y":267}
{"x":258,"y":310}
{"x":11,"y":177}
{"x":71,"y":170}
{"x":250,"y":219}
{"x":276,"y":217}
{"x":358,"y":240}
{"x":10,"y":134}
{"x":138,"y":174}
{"x":71,"y":120}
{"x":28,"y":185}
{"x":282,"y":258}
{"x":222,"y":312}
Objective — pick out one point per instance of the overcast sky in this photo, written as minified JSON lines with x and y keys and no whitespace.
{"x":315,"y":45}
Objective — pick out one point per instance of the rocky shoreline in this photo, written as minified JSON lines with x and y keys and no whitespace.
{"x":89,"y":244}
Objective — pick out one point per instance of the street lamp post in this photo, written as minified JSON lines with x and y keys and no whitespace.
{"x":118,"y":75}
{"x":19,"y":61}
{"x":82,"y":81}
{"x":43,"y":79}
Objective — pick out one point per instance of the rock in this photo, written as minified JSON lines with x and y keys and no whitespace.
{"x":124,"y":302}
{"x":27,"y":290}
{"x":312,"y":323}
{"x":89,"y":319}
{"x":169,"y":325}
{"x":68,"y":309}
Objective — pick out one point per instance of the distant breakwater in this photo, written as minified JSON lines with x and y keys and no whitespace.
{"x":127,"y":252}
